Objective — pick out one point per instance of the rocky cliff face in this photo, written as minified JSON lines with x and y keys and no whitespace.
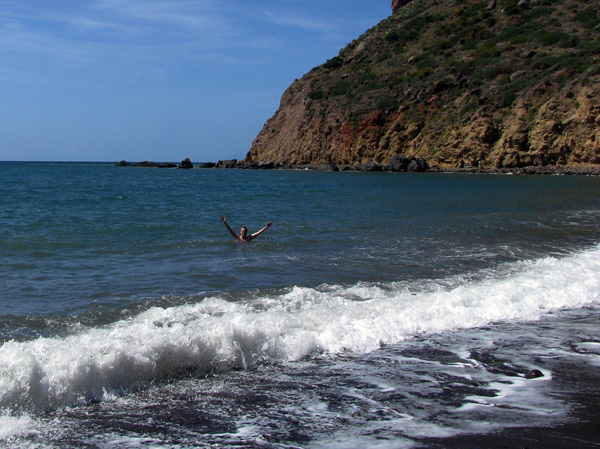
{"x":397,"y":4}
{"x":460,"y":83}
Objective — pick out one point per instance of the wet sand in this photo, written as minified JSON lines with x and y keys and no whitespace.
{"x":579,"y":387}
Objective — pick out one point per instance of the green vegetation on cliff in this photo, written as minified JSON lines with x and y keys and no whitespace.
{"x":459,"y":82}
{"x":461,"y":45}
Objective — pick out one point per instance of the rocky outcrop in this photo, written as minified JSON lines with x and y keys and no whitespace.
{"x":565,"y":130}
{"x":454,"y":95}
{"x":230,"y":163}
{"x":533,"y":374}
{"x":404,"y":164}
{"x":146,"y":164}
{"x":561,"y":130}
{"x":152,"y":164}
{"x":397,"y":4}
{"x":186,"y":164}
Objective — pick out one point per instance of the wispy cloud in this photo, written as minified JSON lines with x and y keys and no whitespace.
{"x":183,"y":13}
{"x":112,"y":36}
{"x":104,"y":21}
{"x":122,"y":38}
{"x":170,"y":20}
{"x":315,"y":24}
{"x":297,"y":20}
{"x":24,"y":42}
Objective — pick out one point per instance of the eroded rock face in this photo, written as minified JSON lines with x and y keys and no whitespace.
{"x":399,"y":4}
{"x":563,"y":130}
{"x":398,"y":90}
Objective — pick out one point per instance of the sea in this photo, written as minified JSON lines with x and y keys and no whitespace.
{"x":380,"y":310}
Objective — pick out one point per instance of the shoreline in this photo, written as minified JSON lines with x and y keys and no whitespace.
{"x":403,"y":165}
{"x":579,"y":388}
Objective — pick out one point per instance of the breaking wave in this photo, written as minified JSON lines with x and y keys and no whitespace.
{"x":217,"y":335}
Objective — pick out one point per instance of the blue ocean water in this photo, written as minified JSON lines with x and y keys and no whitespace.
{"x":123,"y":298}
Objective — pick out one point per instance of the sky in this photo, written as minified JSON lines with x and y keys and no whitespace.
{"x":160,"y":80}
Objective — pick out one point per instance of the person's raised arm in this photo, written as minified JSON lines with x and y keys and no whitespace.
{"x":257,"y":233}
{"x":231,"y":231}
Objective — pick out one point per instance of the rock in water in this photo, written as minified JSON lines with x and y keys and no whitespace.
{"x":186,"y":163}
{"x":534,"y":374}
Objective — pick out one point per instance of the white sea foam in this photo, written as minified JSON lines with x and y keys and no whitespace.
{"x":12,"y":427}
{"x":217,"y":335}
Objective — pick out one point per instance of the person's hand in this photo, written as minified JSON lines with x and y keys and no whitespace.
{"x":223,"y":219}
{"x":269,"y":224}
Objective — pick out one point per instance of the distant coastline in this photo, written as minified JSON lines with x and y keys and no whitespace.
{"x":400,"y":164}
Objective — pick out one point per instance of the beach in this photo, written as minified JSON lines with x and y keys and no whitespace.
{"x":384,"y":310}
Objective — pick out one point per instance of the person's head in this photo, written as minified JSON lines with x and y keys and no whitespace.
{"x":243,"y":231}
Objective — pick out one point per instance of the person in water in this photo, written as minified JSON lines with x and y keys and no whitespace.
{"x":243,"y":235}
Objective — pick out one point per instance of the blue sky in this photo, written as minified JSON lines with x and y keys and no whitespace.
{"x":162,"y":80}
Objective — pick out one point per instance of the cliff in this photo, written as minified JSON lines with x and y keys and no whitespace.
{"x":460,"y":83}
